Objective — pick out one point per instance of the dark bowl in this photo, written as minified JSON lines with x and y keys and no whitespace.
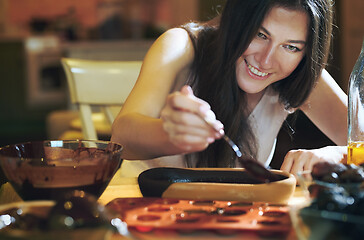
{"x":335,"y":203}
{"x":46,"y":170}
{"x":225,"y":184}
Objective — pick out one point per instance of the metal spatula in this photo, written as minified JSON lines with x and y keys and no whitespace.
{"x":251,"y":165}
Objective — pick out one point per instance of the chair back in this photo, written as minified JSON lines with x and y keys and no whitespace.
{"x":103,"y":85}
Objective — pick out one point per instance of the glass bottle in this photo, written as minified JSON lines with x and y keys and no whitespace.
{"x":356,"y":112}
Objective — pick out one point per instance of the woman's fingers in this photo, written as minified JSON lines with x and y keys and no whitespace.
{"x":183,"y":121}
{"x":187,"y":101}
{"x":187,"y":123}
{"x":287,"y":162}
{"x":203,"y":109}
{"x":296,"y":161}
{"x":187,"y":138}
{"x":184,"y":108}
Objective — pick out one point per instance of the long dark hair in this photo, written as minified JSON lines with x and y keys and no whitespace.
{"x":217,"y":49}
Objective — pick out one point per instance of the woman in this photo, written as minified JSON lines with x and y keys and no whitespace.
{"x":263,"y":60}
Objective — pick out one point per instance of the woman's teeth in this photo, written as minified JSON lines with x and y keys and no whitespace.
{"x":256,"y":71}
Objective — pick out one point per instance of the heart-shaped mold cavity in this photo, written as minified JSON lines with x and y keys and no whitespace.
{"x":274,"y":214}
{"x":269,"y":223}
{"x":203,"y":202}
{"x":167,"y":201}
{"x":233,"y":212}
{"x":148,"y":218}
{"x":226,"y":220}
{"x":241,"y":204}
{"x":182,"y":218}
{"x":196,"y":211}
{"x":159,"y":209}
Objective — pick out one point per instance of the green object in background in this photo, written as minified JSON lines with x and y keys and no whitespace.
{"x":18,"y":121}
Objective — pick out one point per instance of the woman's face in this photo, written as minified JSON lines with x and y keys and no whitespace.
{"x":275,"y":51}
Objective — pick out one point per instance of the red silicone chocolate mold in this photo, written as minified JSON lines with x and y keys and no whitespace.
{"x":147,"y":214}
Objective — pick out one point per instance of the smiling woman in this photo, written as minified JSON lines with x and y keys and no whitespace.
{"x":250,"y":68}
{"x":274,"y":52}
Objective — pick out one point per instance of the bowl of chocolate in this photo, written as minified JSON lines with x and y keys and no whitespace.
{"x":47,"y":170}
{"x":332,"y":176}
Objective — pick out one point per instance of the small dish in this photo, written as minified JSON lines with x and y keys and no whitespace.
{"x":27,"y":231}
{"x":311,"y":223}
{"x":223,"y":184}
{"x":76,"y":216}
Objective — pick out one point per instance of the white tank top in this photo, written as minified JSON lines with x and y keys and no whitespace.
{"x":266,"y":120}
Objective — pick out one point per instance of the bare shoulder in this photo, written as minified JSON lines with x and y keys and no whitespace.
{"x":173,"y":48}
{"x":179,"y":37}
{"x":176,"y":34}
{"x":169,"y":56}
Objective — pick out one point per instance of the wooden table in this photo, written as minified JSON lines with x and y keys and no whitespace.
{"x":128,"y":188}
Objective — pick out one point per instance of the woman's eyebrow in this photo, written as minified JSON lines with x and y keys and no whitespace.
{"x":290,"y":41}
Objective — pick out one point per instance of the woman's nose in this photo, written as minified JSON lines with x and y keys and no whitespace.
{"x":266,"y":57}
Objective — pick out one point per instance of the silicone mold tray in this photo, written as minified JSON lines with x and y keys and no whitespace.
{"x":147,"y":214}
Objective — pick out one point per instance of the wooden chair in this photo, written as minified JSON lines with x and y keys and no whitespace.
{"x":99,"y":85}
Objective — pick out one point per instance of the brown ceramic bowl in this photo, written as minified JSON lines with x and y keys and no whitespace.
{"x":46,"y":170}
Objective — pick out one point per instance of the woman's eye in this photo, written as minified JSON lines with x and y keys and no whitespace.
{"x":292,"y":48}
{"x":261,"y":35}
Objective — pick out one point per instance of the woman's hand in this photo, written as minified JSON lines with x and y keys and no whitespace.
{"x":183,"y":121}
{"x":302,"y":160}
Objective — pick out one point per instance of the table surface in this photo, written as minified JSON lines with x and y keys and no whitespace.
{"x":120,"y":187}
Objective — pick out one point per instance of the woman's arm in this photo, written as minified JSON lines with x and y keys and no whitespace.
{"x":138,"y":126}
{"x":327,"y":109}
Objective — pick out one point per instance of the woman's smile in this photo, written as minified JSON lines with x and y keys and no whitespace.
{"x":255,"y":72}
